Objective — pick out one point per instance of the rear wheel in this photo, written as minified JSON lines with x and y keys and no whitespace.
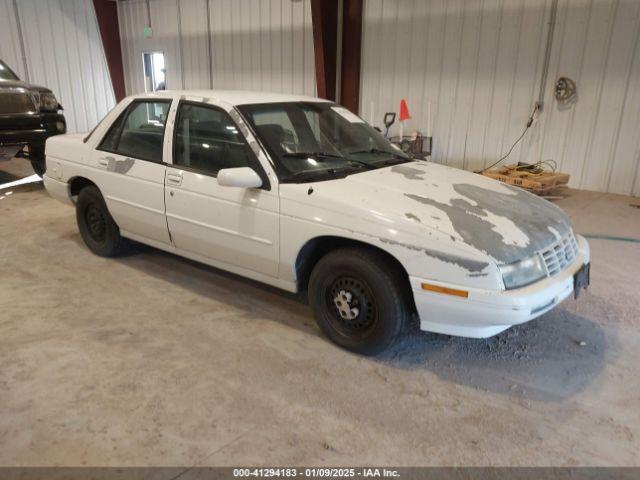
{"x":97,"y":228}
{"x":357,"y":299}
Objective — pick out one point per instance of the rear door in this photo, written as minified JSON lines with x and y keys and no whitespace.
{"x":131,"y":156}
{"x":236,"y":228}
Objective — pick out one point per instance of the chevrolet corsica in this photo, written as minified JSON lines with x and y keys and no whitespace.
{"x":302,"y":194}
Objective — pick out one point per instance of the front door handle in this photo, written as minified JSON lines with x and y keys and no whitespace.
{"x":174,"y":178}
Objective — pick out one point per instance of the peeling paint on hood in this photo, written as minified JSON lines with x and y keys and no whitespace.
{"x":507,"y":227}
{"x":409,"y":173}
{"x":476,"y":213}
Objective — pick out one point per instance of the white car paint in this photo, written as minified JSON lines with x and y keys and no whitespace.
{"x":417,"y":212}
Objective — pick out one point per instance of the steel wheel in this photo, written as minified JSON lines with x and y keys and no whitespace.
{"x":96,"y":222}
{"x":352,"y":305}
{"x":97,"y":228}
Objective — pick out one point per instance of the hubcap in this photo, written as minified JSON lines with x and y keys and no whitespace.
{"x":342,"y":301}
{"x":96,"y":223}
{"x":353,"y":308}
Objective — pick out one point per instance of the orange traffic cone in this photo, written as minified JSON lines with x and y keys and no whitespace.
{"x":404,"y":115}
{"x":404,"y":111}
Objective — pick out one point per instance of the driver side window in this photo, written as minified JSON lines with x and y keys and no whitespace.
{"x":207,"y":140}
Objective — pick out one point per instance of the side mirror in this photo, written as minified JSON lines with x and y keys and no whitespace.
{"x":243,"y":177}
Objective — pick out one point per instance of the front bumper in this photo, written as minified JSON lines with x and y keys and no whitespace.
{"x":34,"y":133}
{"x":485,"y":313}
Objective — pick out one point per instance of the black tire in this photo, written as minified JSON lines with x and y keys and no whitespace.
{"x":97,"y":228}
{"x":38,"y":162}
{"x":358,"y":299}
{"x":39,"y":166}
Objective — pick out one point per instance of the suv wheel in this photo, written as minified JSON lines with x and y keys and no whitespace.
{"x":97,"y":228}
{"x":39,"y":166}
{"x":357,"y":299}
{"x":38,"y":163}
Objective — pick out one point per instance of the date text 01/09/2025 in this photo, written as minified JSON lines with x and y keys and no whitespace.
{"x":315,"y":472}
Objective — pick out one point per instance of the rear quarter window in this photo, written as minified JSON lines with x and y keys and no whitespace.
{"x":139,"y":131}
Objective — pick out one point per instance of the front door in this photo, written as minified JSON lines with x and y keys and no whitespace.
{"x":131,"y":156}
{"x":233,"y":227}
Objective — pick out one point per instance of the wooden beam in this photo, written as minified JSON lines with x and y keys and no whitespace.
{"x":351,"y":54}
{"x":107,"y":16}
{"x":324,"y":17}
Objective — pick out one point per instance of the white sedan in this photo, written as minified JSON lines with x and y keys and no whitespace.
{"x":302,"y":194}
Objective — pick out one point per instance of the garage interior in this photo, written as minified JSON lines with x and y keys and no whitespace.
{"x":150,"y":359}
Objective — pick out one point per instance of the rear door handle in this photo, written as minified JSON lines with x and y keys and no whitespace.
{"x":174,"y":178}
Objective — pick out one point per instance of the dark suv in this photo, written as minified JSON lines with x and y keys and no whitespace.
{"x":28,"y":116}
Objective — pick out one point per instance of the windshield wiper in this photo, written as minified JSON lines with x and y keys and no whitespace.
{"x":321,"y":155}
{"x":310,"y":155}
{"x":378,"y":150}
{"x":312,"y":175}
{"x":368,"y":166}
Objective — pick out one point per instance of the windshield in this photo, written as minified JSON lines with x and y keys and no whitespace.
{"x":312,"y":141}
{"x":6,"y":73}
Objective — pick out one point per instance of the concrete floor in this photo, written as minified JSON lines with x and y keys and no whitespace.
{"x":151,"y":359}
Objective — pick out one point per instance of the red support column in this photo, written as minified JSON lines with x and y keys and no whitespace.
{"x":107,"y":16}
{"x":351,"y":54}
{"x":324,"y":17}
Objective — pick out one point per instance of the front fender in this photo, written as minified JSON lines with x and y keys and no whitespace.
{"x":429,"y":259}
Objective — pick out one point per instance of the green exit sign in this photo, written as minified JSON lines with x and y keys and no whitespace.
{"x":147,"y":32}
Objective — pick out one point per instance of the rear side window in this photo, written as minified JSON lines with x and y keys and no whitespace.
{"x":207,"y":140}
{"x":139,"y":131}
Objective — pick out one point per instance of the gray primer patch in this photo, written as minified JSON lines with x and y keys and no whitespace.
{"x":411,"y":216}
{"x":469,"y":265}
{"x":405,"y":245}
{"x":408,"y":172}
{"x":120,"y":166}
{"x":529,"y":213}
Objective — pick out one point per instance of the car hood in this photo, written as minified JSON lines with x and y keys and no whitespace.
{"x":471,"y":211}
{"x":21,"y":84}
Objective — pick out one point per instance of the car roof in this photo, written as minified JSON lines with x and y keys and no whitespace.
{"x":236,"y":97}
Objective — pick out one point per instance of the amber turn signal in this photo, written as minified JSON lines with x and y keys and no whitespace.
{"x":445,"y":290}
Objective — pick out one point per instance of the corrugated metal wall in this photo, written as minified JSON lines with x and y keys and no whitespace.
{"x":240,"y":44}
{"x":62,"y":51}
{"x":479,"y":62}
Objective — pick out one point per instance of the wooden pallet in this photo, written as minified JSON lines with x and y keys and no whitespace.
{"x":538,"y":183}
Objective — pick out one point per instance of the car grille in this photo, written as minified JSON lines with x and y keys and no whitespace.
{"x":559,"y":255}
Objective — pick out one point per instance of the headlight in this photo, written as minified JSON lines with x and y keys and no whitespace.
{"x":523,"y":273}
{"x":48,"y":102}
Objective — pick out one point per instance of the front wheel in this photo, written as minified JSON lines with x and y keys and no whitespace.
{"x":357,"y":299}
{"x":39,"y":166}
{"x":97,"y":228}
{"x":38,"y":163}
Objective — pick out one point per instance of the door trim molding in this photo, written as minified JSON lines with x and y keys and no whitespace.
{"x":264,"y":241}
